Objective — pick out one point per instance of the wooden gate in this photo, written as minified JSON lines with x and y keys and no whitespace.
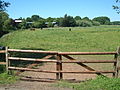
{"x":59,"y":61}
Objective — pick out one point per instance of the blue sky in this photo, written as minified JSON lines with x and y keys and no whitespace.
{"x":58,"y":8}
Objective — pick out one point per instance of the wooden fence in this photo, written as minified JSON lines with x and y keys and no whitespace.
{"x":59,"y":61}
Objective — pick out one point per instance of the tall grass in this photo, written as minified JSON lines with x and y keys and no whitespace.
{"x":7,"y":79}
{"x":100,"y":83}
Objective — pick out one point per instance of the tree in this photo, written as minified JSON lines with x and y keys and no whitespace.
{"x":67,"y":21}
{"x":115,"y":23}
{"x":3,"y":17}
{"x":8,"y":25}
{"x":58,"y":20}
{"x":3,"y":5}
{"x":35,"y":17}
{"x":77,"y":18}
{"x":84,"y":23}
{"x":95,"y":23}
{"x":50,"y":24}
{"x":28,"y":19}
{"x":23,"y":25}
{"x":116,"y":7}
{"x":49,"y":19}
{"x":102,"y":20}
{"x":86,"y":18}
{"x":39,"y":24}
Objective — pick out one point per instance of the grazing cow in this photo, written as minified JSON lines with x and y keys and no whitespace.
{"x":69,"y":29}
{"x":32,"y":29}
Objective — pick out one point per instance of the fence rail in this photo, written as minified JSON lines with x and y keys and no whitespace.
{"x":2,"y":63}
{"x":90,"y":61}
{"x":31,"y":59}
{"x":87,"y":53}
{"x":2,"y":52}
{"x":82,"y":72}
{"x":59,"y":61}
{"x":32,"y":51}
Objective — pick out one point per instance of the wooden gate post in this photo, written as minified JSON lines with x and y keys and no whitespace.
{"x":116,"y":63}
{"x":57,"y":68}
{"x":6,"y":56}
{"x":59,"y":76}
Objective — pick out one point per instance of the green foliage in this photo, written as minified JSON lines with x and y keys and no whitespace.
{"x":84,"y":23}
{"x":116,"y":7}
{"x":7,"y":79}
{"x":28,"y":19}
{"x":86,"y":18}
{"x":39,"y":24}
{"x":50,"y":24}
{"x":102,"y":20}
{"x":95,"y":23}
{"x":67,"y":21}
{"x":3,"y":18}
{"x":77,"y":18}
{"x":35,"y":17}
{"x":100,"y":83}
{"x":49,"y":19}
{"x":3,"y":5}
{"x":23,"y":25}
{"x":115,"y":23}
{"x":36,"y":25}
{"x":8,"y":25}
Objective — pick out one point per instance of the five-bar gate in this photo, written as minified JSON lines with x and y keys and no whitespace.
{"x":59,"y":61}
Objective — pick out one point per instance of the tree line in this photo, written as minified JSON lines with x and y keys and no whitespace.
{"x":35,"y":21}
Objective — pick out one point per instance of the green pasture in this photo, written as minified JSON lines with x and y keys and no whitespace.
{"x":79,"y":39}
{"x":99,"y":38}
{"x":104,"y":38}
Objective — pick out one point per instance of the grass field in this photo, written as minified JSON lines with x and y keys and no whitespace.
{"x":100,"y":38}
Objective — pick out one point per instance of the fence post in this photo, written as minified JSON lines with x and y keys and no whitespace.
{"x":59,"y":67}
{"x":116,"y":63}
{"x":118,"y":53}
{"x":6,"y":56}
{"x":60,"y":59}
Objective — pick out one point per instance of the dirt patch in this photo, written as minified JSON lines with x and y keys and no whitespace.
{"x":26,"y":85}
{"x":66,"y":67}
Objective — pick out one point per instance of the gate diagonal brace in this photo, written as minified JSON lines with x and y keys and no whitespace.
{"x":83,"y":65}
{"x":49,"y":56}
{"x":34,"y":64}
